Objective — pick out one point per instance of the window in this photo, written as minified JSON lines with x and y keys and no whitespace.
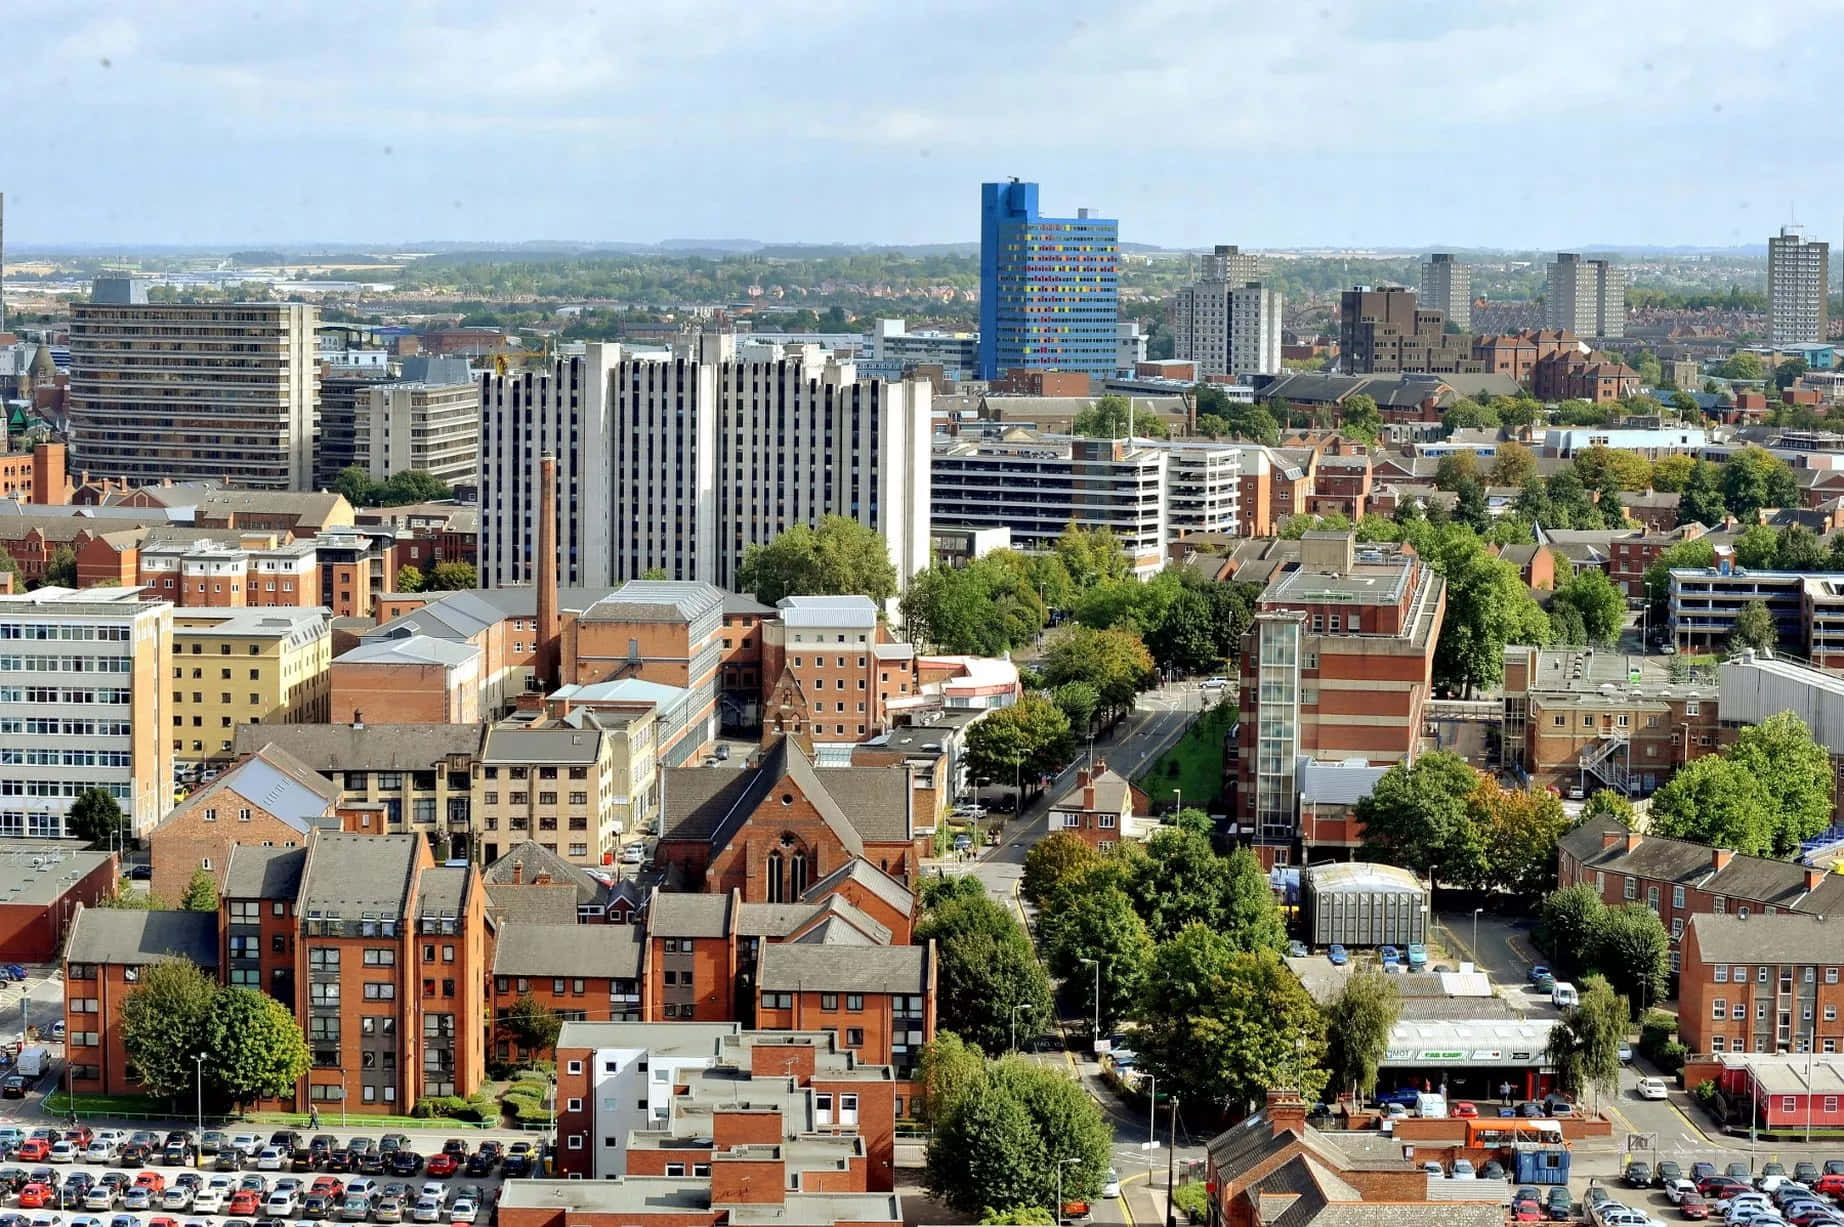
{"x":854,"y":1037}
{"x":1831,"y":975}
{"x":1717,"y":1043}
{"x":675,"y":1169}
{"x":380,"y":990}
{"x":829,"y":1001}
{"x":854,"y":1002}
{"x":1677,"y":896}
{"x":1632,"y":888}
{"x":380,"y":956}
{"x":1718,"y":1007}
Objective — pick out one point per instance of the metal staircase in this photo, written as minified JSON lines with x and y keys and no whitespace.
{"x":1606,"y":760}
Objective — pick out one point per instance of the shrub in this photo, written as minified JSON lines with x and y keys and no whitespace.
{"x":1705,"y":1092}
{"x":1193,"y":1199}
{"x":1671,"y":1057}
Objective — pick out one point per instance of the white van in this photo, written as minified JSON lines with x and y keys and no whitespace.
{"x":1564,"y":994}
{"x":1431,"y":1105}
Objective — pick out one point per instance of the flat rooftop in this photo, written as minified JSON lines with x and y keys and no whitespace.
{"x":1379,"y":582}
{"x":37,"y":872}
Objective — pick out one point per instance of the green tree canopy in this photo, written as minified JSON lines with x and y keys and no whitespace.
{"x":1584,"y":1045}
{"x":1515,"y":465}
{"x":1702,"y":500}
{"x":1077,"y":701}
{"x":1115,"y":417}
{"x":1794,"y":773}
{"x":1711,"y":800}
{"x":1357,"y":1027}
{"x":1092,"y":556}
{"x":1519,"y":829}
{"x":96,"y":816}
{"x":163,"y":1025}
{"x":1002,"y":1149}
{"x":1754,"y":478}
{"x":1742,"y":365}
{"x":1419,"y":816}
{"x":1633,"y":951}
{"x":1027,"y":739}
{"x":986,"y":967}
{"x":1058,"y":859}
{"x":841,"y":557}
{"x":947,"y":1072}
{"x":1116,"y":663}
{"x":533,"y":1024}
{"x":1185,"y":641}
{"x":1569,"y":919}
{"x":1600,"y":604}
{"x":984,"y":608}
{"x":257,"y":1050}
{"x":1099,"y":927}
{"x":201,"y":892}
{"x":1757,"y":547}
{"x":409,"y":579}
{"x":1755,"y":628}
{"x":1671,"y":473}
{"x":1488,"y":606}
{"x":456,"y":576}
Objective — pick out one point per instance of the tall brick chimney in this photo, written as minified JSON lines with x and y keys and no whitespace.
{"x":1286,"y":1110}
{"x":548,"y":646}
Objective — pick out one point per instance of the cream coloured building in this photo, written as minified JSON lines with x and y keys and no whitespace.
{"x":251,"y":666}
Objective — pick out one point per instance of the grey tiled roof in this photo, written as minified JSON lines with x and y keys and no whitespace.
{"x":256,"y":872}
{"x":688,"y":914}
{"x":532,"y":904}
{"x":1784,"y":937}
{"x":349,"y":875}
{"x":442,"y":891}
{"x":661,"y":600}
{"x":115,"y":935}
{"x":871,"y":878}
{"x":586,"y":951}
{"x":505,"y":744}
{"x":875,"y":800}
{"x":341,"y":747}
{"x":830,"y":968}
{"x":1757,"y":878}
{"x":528,"y":861}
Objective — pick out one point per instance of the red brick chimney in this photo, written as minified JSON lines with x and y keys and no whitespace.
{"x":548,"y":646}
{"x":1720,"y":858}
{"x":1632,"y":840}
{"x":1813,"y":878}
{"x":1610,"y":838}
{"x":1086,"y":783}
{"x":1286,"y":1110}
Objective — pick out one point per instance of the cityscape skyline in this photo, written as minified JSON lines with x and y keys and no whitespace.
{"x":249,"y":101}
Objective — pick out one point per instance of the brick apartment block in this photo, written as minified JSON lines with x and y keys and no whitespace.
{"x":1763,"y":982}
{"x":270,"y":799}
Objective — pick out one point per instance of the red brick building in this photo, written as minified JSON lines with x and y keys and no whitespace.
{"x":1099,"y":809}
{"x":833,"y":671}
{"x":270,"y":798}
{"x":1680,"y":880}
{"x":108,"y":950}
{"x":1760,"y":983}
{"x":47,"y":881}
{"x":581,"y":972}
{"x":1338,"y":664}
{"x":1569,"y":375}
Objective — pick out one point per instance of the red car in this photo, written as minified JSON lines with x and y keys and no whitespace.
{"x":443,"y":1164}
{"x":328,"y":1186}
{"x":153,"y":1182}
{"x":1465,"y":1108}
{"x":1693,"y":1206}
{"x":244,"y":1202}
{"x":1526,"y":1211}
{"x":32,"y":1150}
{"x":36,"y":1196}
{"x":1831,"y":1184}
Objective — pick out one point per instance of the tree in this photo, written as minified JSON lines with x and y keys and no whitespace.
{"x":1794,"y":773}
{"x":1003,"y":1148}
{"x":409,"y":486}
{"x":124,"y":898}
{"x":1600,"y":603}
{"x":1569,"y":919}
{"x":1098,"y":926}
{"x":1185,"y":640}
{"x":1799,"y":550}
{"x":97,"y":817}
{"x":1515,"y":465}
{"x":1060,"y":858}
{"x":1115,"y":417}
{"x":1606,"y":803}
{"x":1755,"y":478}
{"x":257,"y":1050}
{"x":1116,"y":663}
{"x":61,"y":568}
{"x":841,"y":557}
{"x":355,"y":483}
{"x":456,"y":576}
{"x":163,"y":1024}
{"x":1633,"y":951}
{"x":1092,"y":556}
{"x":1519,"y":829}
{"x":1702,"y":500}
{"x":1454,"y":468}
{"x":1419,"y":816}
{"x":1467,"y":414}
{"x":534,"y":1025}
{"x":1359,"y":418}
{"x":1225,"y":1025}
{"x":1755,"y":548}
{"x":948,"y":1070}
{"x":1077,"y":701}
{"x":1600,"y":464}
{"x":1357,"y":1027}
{"x":982,"y":609}
{"x":1469,"y":505}
{"x":1031,"y":737}
{"x":1686,"y":405}
{"x":986,"y":967}
{"x":1584,"y":1045}
{"x":409,"y":579}
{"x":1488,"y":606}
{"x":1742,"y":365}
{"x":1755,"y":628}
{"x":201,"y":893}
{"x":1671,"y":473}
{"x":1713,"y":801}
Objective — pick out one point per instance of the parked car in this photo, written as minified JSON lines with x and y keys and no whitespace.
{"x":1693,"y":1206}
{"x":1653,"y":1088}
{"x":1559,"y":1206}
{"x":1466,"y":1109}
{"x":1462,"y":1169}
{"x":443,"y":1164}
{"x":1677,"y":1190}
{"x":1389,"y":955}
{"x":1417,"y":955}
{"x":1337,"y":954}
{"x":1638,"y":1175}
{"x":1297,"y":950}
{"x":463,"y":1210}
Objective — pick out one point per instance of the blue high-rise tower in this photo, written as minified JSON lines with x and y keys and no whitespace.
{"x":1049,"y":286}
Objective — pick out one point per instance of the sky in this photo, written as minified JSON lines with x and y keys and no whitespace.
{"x":1269,"y":123}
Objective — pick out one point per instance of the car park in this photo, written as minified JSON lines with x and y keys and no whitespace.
{"x":1462,"y":1169}
{"x":1558,"y":1205}
{"x":1416,"y":955}
{"x":1638,"y":1175}
{"x":282,"y":1203}
{"x":1693,"y":1206}
{"x":354,"y":1209}
{"x":463,"y":1209}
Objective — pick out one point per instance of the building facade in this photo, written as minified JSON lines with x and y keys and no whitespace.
{"x":1228,"y":327}
{"x":246,"y":668}
{"x":1586,"y":297}
{"x":1760,"y":983}
{"x":1447,"y":287}
{"x":1381,"y":331}
{"x":85,"y":702}
{"x":224,"y":390}
{"x":431,"y":427}
{"x":1798,"y":288}
{"x":1049,"y":286}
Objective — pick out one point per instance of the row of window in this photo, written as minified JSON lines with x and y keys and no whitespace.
{"x":1738,"y":1010}
{"x":1764,"y":972}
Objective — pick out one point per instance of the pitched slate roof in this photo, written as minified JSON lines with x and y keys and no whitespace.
{"x":1112,"y":794}
{"x":1679,"y":861}
{"x":349,"y":875}
{"x":342,"y":747}
{"x":525,"y":863}
{"x":1784,"y":937}
{"x":280,"y":783}
{"x":586,"y":951}
{"x":115,"y":935}
{"x":826,"y":968}
{"x":526,"y":904}
{"x":688,"y":914}
{"x":871,"y":878}
{"x":256,"y":872}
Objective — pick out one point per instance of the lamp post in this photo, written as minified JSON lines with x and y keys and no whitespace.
{"x":1476,"y":912}
{"x":1152,"y":1124}
{"x":1060,"y":1165}
{"x":1171,"y":1167}
{"x":1178,"y":802}
{"x":199,"y":1061}
{"x":1097,"y":966}
{"x":1022,"y":1005}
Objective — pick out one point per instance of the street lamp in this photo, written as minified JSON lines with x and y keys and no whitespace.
{"x":1152,"y":1124}
{"x":1061,"y":1164}
{"x":1022,"y":1005}
{"x":1097,"y":966}
{"x":199,"y":1061}
{"x":1476,"y":912}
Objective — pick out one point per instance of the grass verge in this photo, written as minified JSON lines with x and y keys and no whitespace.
{"x":1193,"y":764}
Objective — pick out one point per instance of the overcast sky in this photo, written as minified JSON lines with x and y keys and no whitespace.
{"x":1268,"y":123}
